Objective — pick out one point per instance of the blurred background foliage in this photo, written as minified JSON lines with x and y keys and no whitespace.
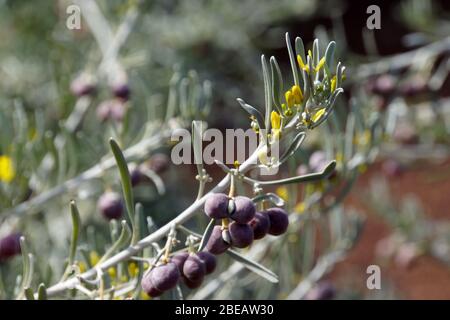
{"x":218,"y":44}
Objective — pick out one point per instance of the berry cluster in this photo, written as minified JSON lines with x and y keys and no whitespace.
{"x":247,"y":225}
{"x":190,"y":267}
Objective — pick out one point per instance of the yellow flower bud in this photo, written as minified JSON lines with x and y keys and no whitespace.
{"x":283,"y":193}
{"x":112,"y":272}
{"x":275,"y":120}
{"x":7,"y":172}
{"x":333,"y":84}
{"x":302,"y":65}
{"x":320,"y":64}
{"x":133,"y":269}
{"x":316,"y":117}
{"x":93,"y":258}
{"x":289,"y":98}
{"x":297,"y":93}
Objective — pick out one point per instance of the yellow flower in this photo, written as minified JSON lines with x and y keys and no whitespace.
{"x":339,"y":157}
{"x":93,"y":258}
{"x":289,"y":99}
{"x":316,"y":117}
{"x":302,"y":65}
{"x":320,"y":64}
{"x":133,"y":269}
{"x":300,"y":207}
{"x":82,"y":266}
{"x":283,"y":193}
{"x":364,"y":138}
{"x":112,"y":272}
{"x":333,"y":84}
{"x":7,"y":171}
{"x":275,"y":120}
{"x":297,"y":94}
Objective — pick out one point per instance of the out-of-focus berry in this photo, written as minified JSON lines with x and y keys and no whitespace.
{"x":9,"y":246}
{"x":113,"y":109}
{"x":110,"y":204}
{"x":83,"y":85}
{"x":321,"y":291}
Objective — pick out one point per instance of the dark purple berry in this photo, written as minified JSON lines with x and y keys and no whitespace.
{"x":159,"y":162}
{"x":110,"y":205}
{"x":160,"y":279}
{"x":216,"y":206}
{"x":279,"y":221}
{"x":10,"y":246}
{"x":216,"y":244}
{"x":179,"y":259}
{"x":136,"y":176}
{"x":209,"y":260}
{"x":260,"y":225}
{"x":111,"y":109}
{"x":193,"y":284}
{"x":194,"y":268}
{"x":149,"y":287}
{"x":241,"y":235}
{"x":244,"y":210}
{"x":121,"y":90}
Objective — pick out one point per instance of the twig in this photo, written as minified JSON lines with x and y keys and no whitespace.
{"x":139,"y":150}
{"x":157,"y":235}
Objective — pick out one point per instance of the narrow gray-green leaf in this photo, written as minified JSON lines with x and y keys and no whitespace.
{"x":42,"y":292}
{"x":252,"y":111}
{"x":75,"y":231}
{"x":172,"y":99}
{"x":267,"y":93}
{"x":304,"y":178}
{"x":125,"y":179}
{"x":329,"y":54}
{"x":277,"y":83}
{"x":198,"y":128}
{"x":293,"y":147}
{"x":292,"y":60}
{"x":300,"y":48}
{"x":316,"y":53}
{"x":272,"y":197}
{"x":206,"y":234}
{"x":253,"y":266}
{"x":28,"y":292}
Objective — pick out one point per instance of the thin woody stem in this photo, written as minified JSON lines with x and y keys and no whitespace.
{"x":155,"y":236}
